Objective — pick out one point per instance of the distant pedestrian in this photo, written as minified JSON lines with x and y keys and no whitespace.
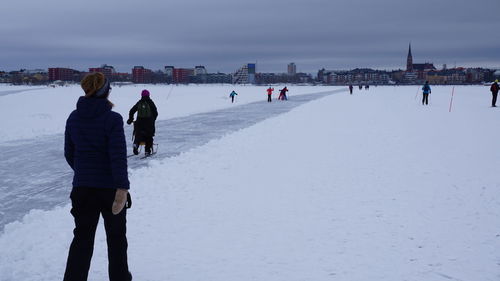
{"x":360,"y":86}
{"x":367,"y":87}
{"x":231,"y":95}
{"x":494,"y":91}
{"x":269,"y":94}
{"x":283,"y":94}
{"x":350,"y":88}
{"x":426,"y":90}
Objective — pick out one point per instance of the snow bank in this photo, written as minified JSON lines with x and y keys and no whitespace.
{"x":372,"y":186}
{"x":40,"y":112}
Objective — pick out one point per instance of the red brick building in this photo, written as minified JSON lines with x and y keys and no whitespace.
{"x":141,"y":75}
{"x":63,"y":74}
{"x":181,"y":75}
{"x":107,"y":70}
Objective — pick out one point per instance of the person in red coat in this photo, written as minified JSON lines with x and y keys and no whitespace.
{"x":283,"y":94}
{"x":269,"y":94}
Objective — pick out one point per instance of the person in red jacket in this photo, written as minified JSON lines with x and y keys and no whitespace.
{"x":283,"y":94}
{"x":494,"y":91}
{"x":269,"y":93}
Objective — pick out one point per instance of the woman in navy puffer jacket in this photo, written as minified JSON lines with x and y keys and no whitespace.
{"x":95,"y":148}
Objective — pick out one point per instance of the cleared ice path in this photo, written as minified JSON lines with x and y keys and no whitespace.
{"x":34,"y":173}
{"x":11,"y":92}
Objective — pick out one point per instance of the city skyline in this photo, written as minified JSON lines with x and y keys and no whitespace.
{"x":223,"y":34}
{"x":284,"y":68}
{"x":280,"y":68}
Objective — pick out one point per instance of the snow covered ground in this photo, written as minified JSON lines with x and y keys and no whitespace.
{"x":43,"y":184}
{"x":43,"y":111}
{"x":372,"y":186}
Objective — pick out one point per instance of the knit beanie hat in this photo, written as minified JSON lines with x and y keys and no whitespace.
{"x":145,"y":93}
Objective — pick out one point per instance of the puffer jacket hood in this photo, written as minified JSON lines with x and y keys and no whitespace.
{"x":91,"y":108}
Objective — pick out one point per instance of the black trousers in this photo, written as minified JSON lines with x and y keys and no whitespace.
{"x":87,"y":206}
{"x":148,"y":140}
{"x":425,"y":99}
{"x":268,"y":98}
{"x":494,"y":100}
{"x":232,"y":99}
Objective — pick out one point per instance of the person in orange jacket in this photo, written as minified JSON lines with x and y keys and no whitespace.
{"x":269,"y":94}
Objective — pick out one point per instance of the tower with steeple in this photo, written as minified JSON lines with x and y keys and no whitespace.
{"x":409,"y":60}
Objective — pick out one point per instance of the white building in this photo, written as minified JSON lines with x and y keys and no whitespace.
{"x":245,"y":75}
{"x":200,"y":70}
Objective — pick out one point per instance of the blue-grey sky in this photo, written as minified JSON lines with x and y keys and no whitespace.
{"x":225,"y":34}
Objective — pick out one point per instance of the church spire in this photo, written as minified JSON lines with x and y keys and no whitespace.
{"x":409,"y":60}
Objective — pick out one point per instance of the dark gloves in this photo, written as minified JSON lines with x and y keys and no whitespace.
{"x":129,"y":121}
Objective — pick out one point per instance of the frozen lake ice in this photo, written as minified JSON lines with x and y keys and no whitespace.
{"x":35,"y":175}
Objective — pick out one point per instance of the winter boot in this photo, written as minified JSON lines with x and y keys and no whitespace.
{"x":147,"y":151}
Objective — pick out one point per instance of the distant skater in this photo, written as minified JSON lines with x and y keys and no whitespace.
{"x":231,"y":95}
{"x":360,"y":86}
{"x":269,"y":94}
{"x":350,"y":88}
{"x":494,"y":91}
{"x":283,"y":94}
{"x":367,"y":87}
{"x":426,"y":90}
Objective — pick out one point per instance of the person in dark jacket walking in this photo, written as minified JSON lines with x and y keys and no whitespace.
{"x":426,"y":90}
{"x":494,"y":91}
{"x":350,"y":88}
{"x":95,"y":148}
{"x":144,"y":126}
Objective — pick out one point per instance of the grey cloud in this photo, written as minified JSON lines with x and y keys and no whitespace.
{"x":223,"y":34}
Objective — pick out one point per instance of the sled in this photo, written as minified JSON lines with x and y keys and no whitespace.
{"x":142,"y":144}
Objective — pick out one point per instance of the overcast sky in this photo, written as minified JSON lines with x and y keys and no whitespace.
{"x":225,"y":34}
